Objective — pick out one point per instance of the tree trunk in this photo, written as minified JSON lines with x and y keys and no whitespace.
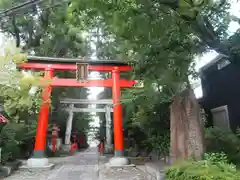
{"x":187,"y":133}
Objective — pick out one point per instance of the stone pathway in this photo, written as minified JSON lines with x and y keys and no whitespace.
{"x":122,"y":173}
{"x":83,"y":166}
{"x":127,"y":173}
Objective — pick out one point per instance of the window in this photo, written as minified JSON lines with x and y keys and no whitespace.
{"x":220,"y":117}
{"x":223,"y":63}
{"x":139,"y":84}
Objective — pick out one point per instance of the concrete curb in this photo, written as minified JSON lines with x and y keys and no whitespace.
{"x":156,"y":172}
{"x":7,"y":169}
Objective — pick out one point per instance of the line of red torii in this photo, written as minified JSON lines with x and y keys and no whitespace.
{"x":51,"y":65}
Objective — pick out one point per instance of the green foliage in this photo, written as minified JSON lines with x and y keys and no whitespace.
{"x":8,"y":143}
{"x":160,"y":39}
{"x":218,"y":140}
{"x":15,"y":87}
{"x":214,"y":166}
{"x":159,"y":43}
{"x":160,"y":143}
{"x":202,"y":170}
{"x":216,"y":157}
{"x":51,"y":33}
{"x":13,"y":136}
{"x":19,"y":105}
{"x":81,"y":123}
{"x":150,"y":38}
{"x":148,"y":120}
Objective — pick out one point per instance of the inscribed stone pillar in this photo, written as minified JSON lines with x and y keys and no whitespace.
{"x":187,"y":134}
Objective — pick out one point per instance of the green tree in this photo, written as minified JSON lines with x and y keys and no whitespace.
{"x":160,"y":39}
{"x":45,"y":29}
{"x":15,"y":87}
{"x":18,"y":103}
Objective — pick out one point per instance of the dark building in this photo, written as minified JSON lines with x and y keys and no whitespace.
{"x":221,"y":92}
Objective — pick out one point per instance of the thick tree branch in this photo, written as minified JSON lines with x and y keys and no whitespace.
{"x":44,"y":24}
{"x":173,"y":4}
{"x":206,"y":32}
{"x":16,"y":31}
{"x":34,"y":39}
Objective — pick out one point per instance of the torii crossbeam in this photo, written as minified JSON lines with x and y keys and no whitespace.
{"x":85,"y":101}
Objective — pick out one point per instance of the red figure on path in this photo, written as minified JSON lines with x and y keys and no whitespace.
{"x":55,"y":131}
{"x":74,"y":145}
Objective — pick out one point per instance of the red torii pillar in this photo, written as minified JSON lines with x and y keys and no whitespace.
{"x":118,"y":159}
{"x":41,"y":134}
{"x":117,"y":115}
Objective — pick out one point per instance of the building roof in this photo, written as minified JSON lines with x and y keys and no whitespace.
{"x":212,"y":62}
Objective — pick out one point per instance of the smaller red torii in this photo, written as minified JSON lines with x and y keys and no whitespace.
{"x":49,"y":65}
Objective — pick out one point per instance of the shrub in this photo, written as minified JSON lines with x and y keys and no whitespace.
{"x":160,"y":143}
{"x":219,"y":140}
{"x":13,"y":136}
{"x":202,"y":170}
{"x":216,"y":157}
{"x":9,"y":144}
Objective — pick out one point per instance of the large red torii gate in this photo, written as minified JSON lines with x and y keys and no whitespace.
{"x":50,"y":65}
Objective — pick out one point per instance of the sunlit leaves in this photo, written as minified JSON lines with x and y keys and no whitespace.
{"x":15,"y":86}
